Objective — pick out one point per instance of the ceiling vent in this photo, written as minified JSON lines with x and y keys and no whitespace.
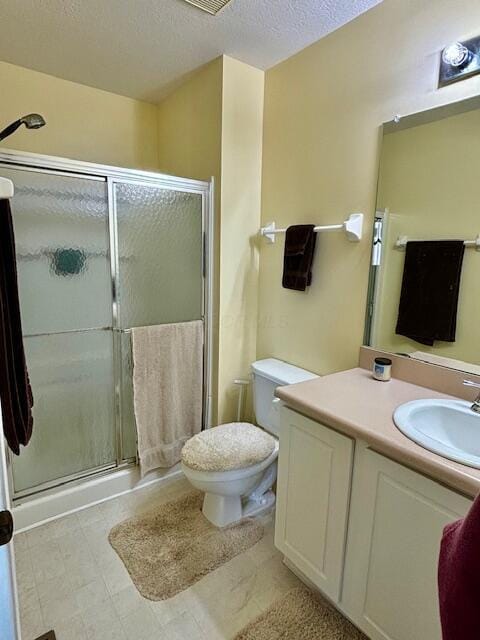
{"x":210,"y":6}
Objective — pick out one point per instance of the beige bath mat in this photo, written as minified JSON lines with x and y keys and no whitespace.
{"x":300,"y":615}
{"x":172,"y":547}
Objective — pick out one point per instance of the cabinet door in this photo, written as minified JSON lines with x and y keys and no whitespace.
{"x":313,"y":493}
{"x":396,"y":522}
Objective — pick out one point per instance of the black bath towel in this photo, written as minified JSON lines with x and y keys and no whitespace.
{"x":15,"y":391}
{"x":430,"y":289}
{"x":298,"y":257}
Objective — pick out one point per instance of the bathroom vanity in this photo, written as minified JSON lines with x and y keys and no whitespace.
{"x":360,"y":507}
{"x":362,"y":503}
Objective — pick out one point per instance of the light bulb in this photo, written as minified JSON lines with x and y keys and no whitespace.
{"x":456,"y":54}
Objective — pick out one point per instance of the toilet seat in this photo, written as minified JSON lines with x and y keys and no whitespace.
{"x":228,"y":447}
{"x":211,"y":477}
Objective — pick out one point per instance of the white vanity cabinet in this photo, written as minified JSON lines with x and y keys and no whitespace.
{"x":313,"y":493}
{"x":395,"y":527}
{"x":364,"y":529}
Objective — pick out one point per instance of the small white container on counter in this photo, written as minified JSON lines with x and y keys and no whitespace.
{"x":382,"y":369}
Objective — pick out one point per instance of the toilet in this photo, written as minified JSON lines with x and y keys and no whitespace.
{"x":235,"y":464}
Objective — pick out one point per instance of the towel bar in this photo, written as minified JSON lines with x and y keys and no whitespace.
{"x":401,"y":242}
{"x":353,"y":228}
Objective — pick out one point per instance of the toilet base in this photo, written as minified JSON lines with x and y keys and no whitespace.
{"x":224,"y":510}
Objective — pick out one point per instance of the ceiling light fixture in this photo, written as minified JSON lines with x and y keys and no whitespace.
{"x":456,"y":55}
{"x":459,"y":60}
{"x":210,"y":6}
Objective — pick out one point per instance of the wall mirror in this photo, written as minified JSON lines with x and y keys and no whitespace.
{"x":424,"y":293}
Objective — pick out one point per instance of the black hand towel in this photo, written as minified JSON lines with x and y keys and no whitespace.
{"x":430,"y":289}
{"x":15,"y":391}
{"x":298,"y":257}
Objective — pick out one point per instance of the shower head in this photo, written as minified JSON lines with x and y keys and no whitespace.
{"x":31,"y":121}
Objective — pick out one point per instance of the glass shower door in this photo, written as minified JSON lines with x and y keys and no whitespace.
{"x":160,"y":252}
{"x":96,"y":256}
{"x":160,"y":279}
{"x":63,"y":261}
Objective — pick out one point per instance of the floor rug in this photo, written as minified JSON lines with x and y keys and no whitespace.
{"x":300,"y":615}
{"x":172,"y":547}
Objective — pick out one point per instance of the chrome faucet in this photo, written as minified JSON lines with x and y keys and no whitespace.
{"x":476,"y":404}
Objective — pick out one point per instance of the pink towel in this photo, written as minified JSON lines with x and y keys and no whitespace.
{"x":459,"y":577}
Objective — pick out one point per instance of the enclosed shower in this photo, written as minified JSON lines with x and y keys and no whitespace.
{"x":99,"y":250}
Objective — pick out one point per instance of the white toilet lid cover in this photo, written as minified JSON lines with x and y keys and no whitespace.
{"x":236,"y":445}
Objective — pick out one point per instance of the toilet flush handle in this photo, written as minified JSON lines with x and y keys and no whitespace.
{"x":277,"y":404}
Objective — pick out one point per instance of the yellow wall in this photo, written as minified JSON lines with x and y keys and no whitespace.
{"x":82,"y":123}
{"x":429,"y":182}
{"x":212,"y":125}
{"x":190,"y":126}
{"x":323,"y":108}
{"x":242,"y":130}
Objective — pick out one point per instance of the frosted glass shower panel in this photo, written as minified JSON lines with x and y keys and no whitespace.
{"x":160,"y":247}
{"x":62,"y":240}
{"x":72,"y":382}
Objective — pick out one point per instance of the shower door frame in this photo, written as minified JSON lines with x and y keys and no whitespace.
{"x":116,"y":175}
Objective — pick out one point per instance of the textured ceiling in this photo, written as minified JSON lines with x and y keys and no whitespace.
{"x":139,"y":48}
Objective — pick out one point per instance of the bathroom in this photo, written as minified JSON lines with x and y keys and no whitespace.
{"x":170,"y":173}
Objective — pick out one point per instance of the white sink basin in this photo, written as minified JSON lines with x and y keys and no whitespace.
{"x":447,"y":427}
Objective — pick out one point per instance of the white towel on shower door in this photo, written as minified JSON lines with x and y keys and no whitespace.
{"x":167,"y":386}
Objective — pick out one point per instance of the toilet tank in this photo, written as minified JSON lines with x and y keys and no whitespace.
{"x":269,"y":374}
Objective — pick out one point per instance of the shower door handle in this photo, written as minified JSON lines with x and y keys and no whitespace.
{"x":6,"y":527}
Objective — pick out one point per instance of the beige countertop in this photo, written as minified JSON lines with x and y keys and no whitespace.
{"x":353,"y":403}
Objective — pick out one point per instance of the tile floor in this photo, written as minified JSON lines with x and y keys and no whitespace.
{"x":71,"y":580}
